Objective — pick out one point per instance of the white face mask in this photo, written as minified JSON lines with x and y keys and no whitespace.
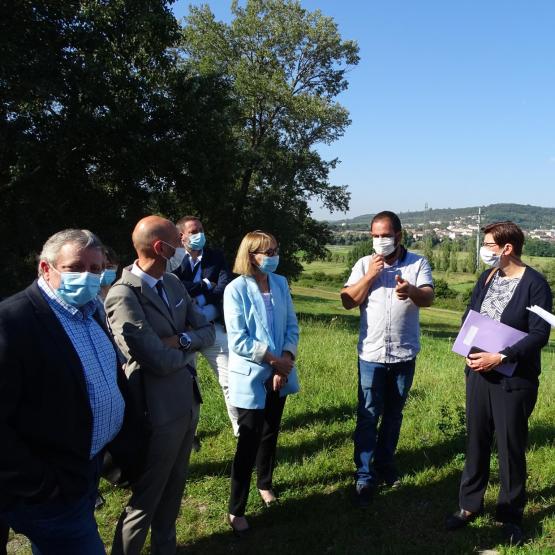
{"x":383,"y":245}
{"x":490,"y":258}
{"x":176,"y":259}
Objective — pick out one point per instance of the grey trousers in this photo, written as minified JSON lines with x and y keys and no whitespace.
{"x":156,"y":496}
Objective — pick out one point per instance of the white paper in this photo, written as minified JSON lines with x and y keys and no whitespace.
{"x":542,"y":313}
{"x":469,"y":338}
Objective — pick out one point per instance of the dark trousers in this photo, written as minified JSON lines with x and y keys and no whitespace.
{"x":496,"y":407}
{"x":4,"y":534}
{"x":58,"y":526}
{"x":258,"y":433}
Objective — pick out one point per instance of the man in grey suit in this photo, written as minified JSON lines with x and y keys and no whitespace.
{"x":158,"y":329}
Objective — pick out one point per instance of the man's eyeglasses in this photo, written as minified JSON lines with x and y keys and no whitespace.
{"x":268,"y":252}
{"x":489,"y":244}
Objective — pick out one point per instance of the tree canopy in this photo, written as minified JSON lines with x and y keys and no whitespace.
{"x":98,"y":124}
{"x":110,"y":111}
{"x":285,"y":66}
{"x":79,"y":91}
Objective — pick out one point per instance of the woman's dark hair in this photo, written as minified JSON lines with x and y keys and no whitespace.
{"x":506,"y":232}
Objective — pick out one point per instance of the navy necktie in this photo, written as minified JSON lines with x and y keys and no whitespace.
{"x":160,"y":289}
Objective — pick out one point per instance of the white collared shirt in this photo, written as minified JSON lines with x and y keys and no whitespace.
{"x":194,"y":261}
{"x":148,"y":279}
{"x":210,"y":311}
{"x":389,"y":327}
{"x":197,"y":277}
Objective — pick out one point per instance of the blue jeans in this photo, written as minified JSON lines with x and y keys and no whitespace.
{"x":58,"y":527}
{"x":382,"y":392}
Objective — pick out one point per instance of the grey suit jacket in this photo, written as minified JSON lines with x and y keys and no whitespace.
{"x":139,"y":318}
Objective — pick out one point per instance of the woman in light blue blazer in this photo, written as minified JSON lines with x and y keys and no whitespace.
{"x":262,"y":335}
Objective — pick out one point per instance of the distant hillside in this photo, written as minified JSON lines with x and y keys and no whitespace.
{"x":525,"y":215}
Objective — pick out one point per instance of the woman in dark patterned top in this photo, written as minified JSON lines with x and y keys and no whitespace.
{"x":494,"y":401}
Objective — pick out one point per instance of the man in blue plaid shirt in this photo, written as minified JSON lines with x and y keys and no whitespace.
{"x":60,"y":403}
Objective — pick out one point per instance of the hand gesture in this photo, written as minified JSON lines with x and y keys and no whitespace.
{"x":483,"y":362}
{"x":278,"y":382}
{"x":283,"y":365}
{"x":376,"y":265}
{"x":403,"y":288}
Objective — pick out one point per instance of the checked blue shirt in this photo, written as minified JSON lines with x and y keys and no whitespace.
{"x":98,"y":358}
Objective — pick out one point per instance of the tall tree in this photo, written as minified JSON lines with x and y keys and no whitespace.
{"x":428,"y":249}
{"x":80,"y":84}
{"x":98,"y":125}
{"x":286,"y":67}
{"x":444,"y":255}
{"x":454,"y":258}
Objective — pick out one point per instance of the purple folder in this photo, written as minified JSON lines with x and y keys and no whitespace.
{"x":488,"y":335}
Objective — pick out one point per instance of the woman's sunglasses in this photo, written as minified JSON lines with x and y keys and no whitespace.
{"x":268,"y":252}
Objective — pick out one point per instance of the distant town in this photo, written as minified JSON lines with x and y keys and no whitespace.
{"x":458,"y":223}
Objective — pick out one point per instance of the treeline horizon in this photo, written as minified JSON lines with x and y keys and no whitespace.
{"x":525,"y":215}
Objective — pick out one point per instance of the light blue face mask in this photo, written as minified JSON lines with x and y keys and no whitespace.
{"x":196,"y":241}
{"x":175,"y":260}
{"x":78,"y":288}
{"x":108,"y":277}
{"x":269,"y":264}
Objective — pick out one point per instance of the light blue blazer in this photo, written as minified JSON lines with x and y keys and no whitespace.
{"x":249,"y":338}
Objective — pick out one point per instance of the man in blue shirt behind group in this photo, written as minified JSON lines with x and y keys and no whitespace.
{"x":389,"y":286}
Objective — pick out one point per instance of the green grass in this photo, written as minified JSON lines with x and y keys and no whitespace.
{"x":314,"y":475}
{"x":458,"y":281}
{"x":331,"y":268}
{"x":339,"y":249}
{"x":541,"y":263}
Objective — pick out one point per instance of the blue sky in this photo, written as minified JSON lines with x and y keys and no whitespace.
{"x":452,"y":103}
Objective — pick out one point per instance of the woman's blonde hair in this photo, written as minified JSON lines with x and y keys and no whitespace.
{"x":254,"y":241}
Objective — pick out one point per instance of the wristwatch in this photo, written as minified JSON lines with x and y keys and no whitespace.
{"x":184,"y":341}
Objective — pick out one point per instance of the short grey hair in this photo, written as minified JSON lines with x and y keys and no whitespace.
{"x":84,"y":238}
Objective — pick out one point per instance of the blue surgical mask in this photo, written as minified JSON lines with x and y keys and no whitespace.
{"x":78,"y":288}
{"x":196,"y":241}
{"x":269,"y":264}
{"x":108,"y":277}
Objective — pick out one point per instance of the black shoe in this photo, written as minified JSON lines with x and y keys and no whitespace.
{"x":513,"y":533}
{"x":270,"y":502}
{"x":390,"y":478}
{"x":393,"y":484}
{"x":364,"y":495}
{"x":459,"y":519}
{"x":238,"y":532}
{"x":196,"y":444}
{"x":99,"y":502}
